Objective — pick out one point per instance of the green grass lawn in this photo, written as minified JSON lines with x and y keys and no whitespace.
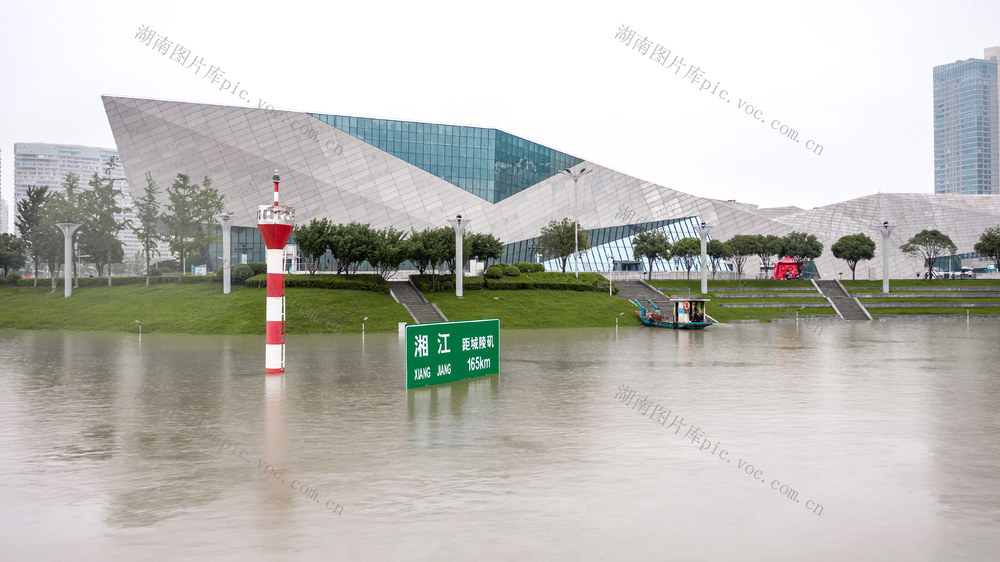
{"x":195,"y":309}
{"x":933,"y":310}
{"x":918,"y":284}
{"x":682,"y":285}
{"x":537,"y":308}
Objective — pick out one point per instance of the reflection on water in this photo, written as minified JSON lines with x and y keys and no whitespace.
{"x":181,"y":447}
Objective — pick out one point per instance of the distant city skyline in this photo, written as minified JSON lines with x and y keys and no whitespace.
{"x":48,"y":164}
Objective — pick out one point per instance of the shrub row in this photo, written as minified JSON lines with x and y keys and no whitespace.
{"x":526,"y":267}
{"x":551,"y":280}
{"x":445,"y":283}
{"x":130,"y":280}
{"x":358,"y":282}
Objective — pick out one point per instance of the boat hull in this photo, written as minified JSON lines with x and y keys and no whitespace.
{"x":676,"y":325}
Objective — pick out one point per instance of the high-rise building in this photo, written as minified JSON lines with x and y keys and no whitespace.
{"x":4,"y":225}
{"x":47,"y":164}
{"x":966,"y":143}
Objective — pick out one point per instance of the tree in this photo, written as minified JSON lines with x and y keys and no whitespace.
{"x":189,"y":217}
{"x":651,"y":245}
{"x":351,"y":245}
{"x":717,"y":250}
{"x":484,"y":247}
{"x":801,"y":246}
{"x":12,"y":251}
{"x":989,"y":245}
{"x":389,"y":250}
{"x":557,"y":240}
{"x":421,"y":249}
{"x":313,"y":240}
{"x":743,"y":246}
{"x":853,"y":248}
{"x":767,"y":246}
{"x":101,"y":219}
{"x":930,"y":245}
{"x":148,"y":214}
{"x":29,"y":223}
{"x":687,"y":249}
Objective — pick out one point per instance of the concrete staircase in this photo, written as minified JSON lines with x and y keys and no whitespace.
{"x":629,"y":290}
{"x":416,"y":304}
{"x":846,"y":306}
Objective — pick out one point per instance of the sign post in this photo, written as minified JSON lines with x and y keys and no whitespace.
{"x":450,"y":351}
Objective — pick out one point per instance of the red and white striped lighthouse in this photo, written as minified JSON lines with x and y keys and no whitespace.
{"x":275,"y":223}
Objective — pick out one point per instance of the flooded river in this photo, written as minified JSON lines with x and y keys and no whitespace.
{"x":833,"y":441}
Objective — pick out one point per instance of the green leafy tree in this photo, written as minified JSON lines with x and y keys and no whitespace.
{"x":651,"y":245}
{"x":389,"y":250}
{"x":351,"y":244}
{"x":743,"y":246}
{"x":801,"y":246}
{"x":688,"y":250}
{"x":313,"y":240}
{"x":29,"y":223}
{"x":189,"y":217}
{"x":989,"y":245}
{"x":930,"y":245}
{"x":148,"y":215}
{"x":12,"y":252}
{"x":557,"y":240}
{"x":717,"y":251}
{"x":767,"y":247}
{"x":102,"y":221}
{"x":853,"y":248}
{"x":421,"y":249}
{"x":484,"y":247}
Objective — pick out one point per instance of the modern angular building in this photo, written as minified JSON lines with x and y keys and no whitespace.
{"x":418,"y":175}
{"x":966,"y":141}
{"x":47,"y":164}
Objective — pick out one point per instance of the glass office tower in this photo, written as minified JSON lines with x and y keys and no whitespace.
{"x":966,"y":158}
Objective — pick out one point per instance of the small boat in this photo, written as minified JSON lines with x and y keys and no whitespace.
{"x":683,"y":314}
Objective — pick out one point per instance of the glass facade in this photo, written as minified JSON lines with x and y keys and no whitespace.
{"x":488,"y":163}
{"x":613,"y":242}
{"x":966,"y":142}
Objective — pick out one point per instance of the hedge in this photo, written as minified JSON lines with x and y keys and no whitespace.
{"x":551,"y":280}
{"x":130,"y":280}
{"x":445,"y":283}
{"x":358,"y":282}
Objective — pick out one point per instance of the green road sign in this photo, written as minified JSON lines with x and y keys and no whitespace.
{"x":451,"y":351}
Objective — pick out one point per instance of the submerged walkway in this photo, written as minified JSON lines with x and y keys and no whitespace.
{"x":416,"y":304}
{"x":846,"y":306}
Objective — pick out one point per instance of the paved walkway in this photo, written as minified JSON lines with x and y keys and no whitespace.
{"x":846,"y":306}
{"x":416,"y":304}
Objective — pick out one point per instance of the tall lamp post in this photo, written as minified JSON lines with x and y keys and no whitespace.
{"x":703,"y":231}
{"x":576,"y":223}
{"x":226,"y":222}
{"x":459,"y":225}
{"x":886,"y":229}
{"x":68,"y":228}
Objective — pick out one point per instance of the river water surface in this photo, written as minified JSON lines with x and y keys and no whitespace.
{"x":834,"y":441}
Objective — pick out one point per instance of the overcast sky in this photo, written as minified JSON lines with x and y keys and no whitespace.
{"x":853,"y":77}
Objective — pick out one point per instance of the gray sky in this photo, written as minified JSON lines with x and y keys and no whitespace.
{"x":854,"y":77}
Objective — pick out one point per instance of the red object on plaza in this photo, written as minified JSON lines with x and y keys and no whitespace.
{"x":787,"y":268}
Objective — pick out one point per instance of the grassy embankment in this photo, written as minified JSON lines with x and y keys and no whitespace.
{"x":201,"y":308}
{"x":915,"y":287}
{"x":753,"y":291}
{"x":196,"y":308}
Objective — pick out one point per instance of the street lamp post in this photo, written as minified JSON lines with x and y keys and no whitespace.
{"x":611,"y":266}
{"x":703,"y":231}
{"x":576,"y":223}
{"x":459,"y":225}
{"x":885,"y":230}
{"x":68,"y":228}
{"x":226,"y":222}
